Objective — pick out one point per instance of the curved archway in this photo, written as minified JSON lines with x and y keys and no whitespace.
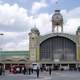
{"x":58,"y":48}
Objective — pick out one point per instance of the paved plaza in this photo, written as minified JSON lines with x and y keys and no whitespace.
{"x":56,"y":75}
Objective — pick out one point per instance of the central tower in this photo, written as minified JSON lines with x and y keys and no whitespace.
{"x":57,"y":21}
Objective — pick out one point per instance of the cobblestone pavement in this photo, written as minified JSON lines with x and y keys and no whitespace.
{"x":56,"y":75}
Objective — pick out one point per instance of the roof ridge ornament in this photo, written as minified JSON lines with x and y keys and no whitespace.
{"x":57,"y":6}
{"x":57,"y":21}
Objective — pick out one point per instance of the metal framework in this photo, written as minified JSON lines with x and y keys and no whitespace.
{"x":58,"y":48}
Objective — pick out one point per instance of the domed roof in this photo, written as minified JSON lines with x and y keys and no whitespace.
{"x":57,"y":16}
{"x":78,"y":29}
{"x":35,"y":30}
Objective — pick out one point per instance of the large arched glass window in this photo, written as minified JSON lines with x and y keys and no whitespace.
{"x":58,"y":48}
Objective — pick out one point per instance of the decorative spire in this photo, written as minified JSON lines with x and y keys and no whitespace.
{"x":57,"y":20}
{"x":57,"y":5}
{"x":34,"y":29}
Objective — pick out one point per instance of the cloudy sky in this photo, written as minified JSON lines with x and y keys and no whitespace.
{"x":17,"y":17}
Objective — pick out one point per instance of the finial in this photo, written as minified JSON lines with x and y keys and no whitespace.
{"x":56,"y":2}
{"x":34,"y":18}
{"x":56,"y":5}
{"x":57,"y":20}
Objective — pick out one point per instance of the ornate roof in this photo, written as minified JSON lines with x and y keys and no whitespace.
{"x":71,"y":37}
{"x":57,"y":14}
{"x":20,"y":57}
{"x":35,"y":30}
{"x":57,"y":18}
{"x":78,"y":29}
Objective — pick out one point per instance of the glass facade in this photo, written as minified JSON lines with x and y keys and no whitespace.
{"x":58,"y":48}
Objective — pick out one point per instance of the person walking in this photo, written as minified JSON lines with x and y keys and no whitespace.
{"x":29,"y":70}
{"x":37,"y":72}
{"x":50,"y":70}
{"x":41,"y":69}
{"x":24,"y":71}
{"x":3,"y":70}
{"x":0,"y":70}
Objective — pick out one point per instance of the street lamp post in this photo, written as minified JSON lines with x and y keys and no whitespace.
{"x":1,"y":34}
